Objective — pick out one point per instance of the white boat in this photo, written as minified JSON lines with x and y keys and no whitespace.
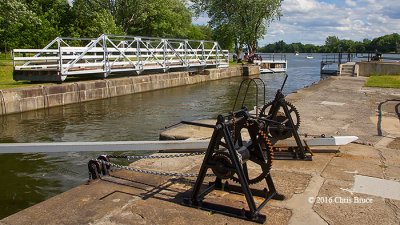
{"x":309,"y":57}
{"x":272,"y":64}
{"x":297,"y":53}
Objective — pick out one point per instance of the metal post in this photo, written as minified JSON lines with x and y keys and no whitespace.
{"x":242,"y":177}
{"x":60,"y":60}
{"x":185,"y":60}
{"x":164,"y":54}
{"x":202,"y":52}
{"x":216,"y":54}
{"x":139,"y":56}
{"x":105,"y":56}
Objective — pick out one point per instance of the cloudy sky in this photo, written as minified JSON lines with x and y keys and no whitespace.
{"x":311,"y":21}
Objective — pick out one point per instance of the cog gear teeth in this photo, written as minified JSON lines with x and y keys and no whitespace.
{"x":280,"y":116}
{"x":268,"y":156}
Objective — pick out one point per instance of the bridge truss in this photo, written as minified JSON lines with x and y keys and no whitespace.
{"x":108,"y":54}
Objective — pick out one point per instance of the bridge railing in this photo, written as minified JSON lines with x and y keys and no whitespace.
{"x":112,"y":53}
{"x":337,"y":58}
{"x":274,"y":57}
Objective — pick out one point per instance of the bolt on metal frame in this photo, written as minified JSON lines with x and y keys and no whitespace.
{"x":116,"y":53}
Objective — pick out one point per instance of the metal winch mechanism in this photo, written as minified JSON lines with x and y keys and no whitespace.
{"x":240,"y":139}
{"x":228,"y":156}
{"x":283,"y":122}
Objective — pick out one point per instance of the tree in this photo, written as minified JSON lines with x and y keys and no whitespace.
{"x":225,"y":37}
{"x":91,"y":19}
{"x":167,"y":18}
{"x":207,"y":31}
{"x":14,"y":15}
{"x":245,"y":21}
{"x":103,"y":23}
{"x":195,"y":33}
{"x":332,"y":42}
{"x":386,"y":43}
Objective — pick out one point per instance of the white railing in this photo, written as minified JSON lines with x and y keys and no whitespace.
{"x":113,"y":53}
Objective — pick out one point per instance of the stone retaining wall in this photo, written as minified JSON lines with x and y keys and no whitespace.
{"x":386,"y":68}
{"x":33,"y":98}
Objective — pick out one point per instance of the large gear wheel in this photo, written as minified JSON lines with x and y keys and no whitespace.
{"x":264,"y":161}
{"x":224,"y":164}
{"x":281,"y":132}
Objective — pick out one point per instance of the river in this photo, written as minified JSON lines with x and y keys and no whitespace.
{"x":27,"y":179}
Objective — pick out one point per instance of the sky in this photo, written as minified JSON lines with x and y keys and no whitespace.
{"x":311,"y":21}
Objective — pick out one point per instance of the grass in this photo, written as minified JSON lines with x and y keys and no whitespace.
{"x":6,"y":69}
{"x":233,"y":64}
{"x":6,"y":77}
{"x":384,"y":81}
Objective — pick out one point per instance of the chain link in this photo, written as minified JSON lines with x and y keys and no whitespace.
{"x":314,"y":135}
{"x":151,"y":157}
{"x":149,"y":171}
{"x":129,"y":157}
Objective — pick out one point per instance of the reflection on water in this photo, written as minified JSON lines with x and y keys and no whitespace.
{"x":30,"y":178}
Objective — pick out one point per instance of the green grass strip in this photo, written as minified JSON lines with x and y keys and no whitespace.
{"x":384,"y":81}
{"x":6,"y":77}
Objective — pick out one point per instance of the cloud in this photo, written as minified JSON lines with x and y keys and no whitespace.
{"x":311,"y":21}
{"x":351,"y":3}
{"x":392,"y":10}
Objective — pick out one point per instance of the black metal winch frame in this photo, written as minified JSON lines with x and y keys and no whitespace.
{"x":228,"y":154}
{"x":283,"y":126}
{"x":280,"y":124}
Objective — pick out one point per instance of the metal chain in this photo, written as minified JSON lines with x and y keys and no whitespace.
{"x":313,"y":135}
{"x":153,"y":156}
{"x":149,"y":171}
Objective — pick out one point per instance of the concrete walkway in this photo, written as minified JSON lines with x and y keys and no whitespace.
{"x":356,"y":186}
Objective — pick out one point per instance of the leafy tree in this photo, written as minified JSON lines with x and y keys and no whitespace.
{"x":103,"y":23}
{"x":195,"y":33}
{"x":14,"y":16}
{"x":207,"y":32}
{"x":332,"y":42}
{"x":168,"y":18}
{"x":92,"y":20}
{"x":224,"y":34}
{"x":386,"y":43}
{"x":245,"y":21}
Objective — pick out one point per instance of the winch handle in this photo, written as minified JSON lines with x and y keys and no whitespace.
{"x":190,"y":123}
{"x":284,"y":81}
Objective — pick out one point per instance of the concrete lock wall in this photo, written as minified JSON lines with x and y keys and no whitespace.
{"x":33,"y":98}
{"x":387,"y":68}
